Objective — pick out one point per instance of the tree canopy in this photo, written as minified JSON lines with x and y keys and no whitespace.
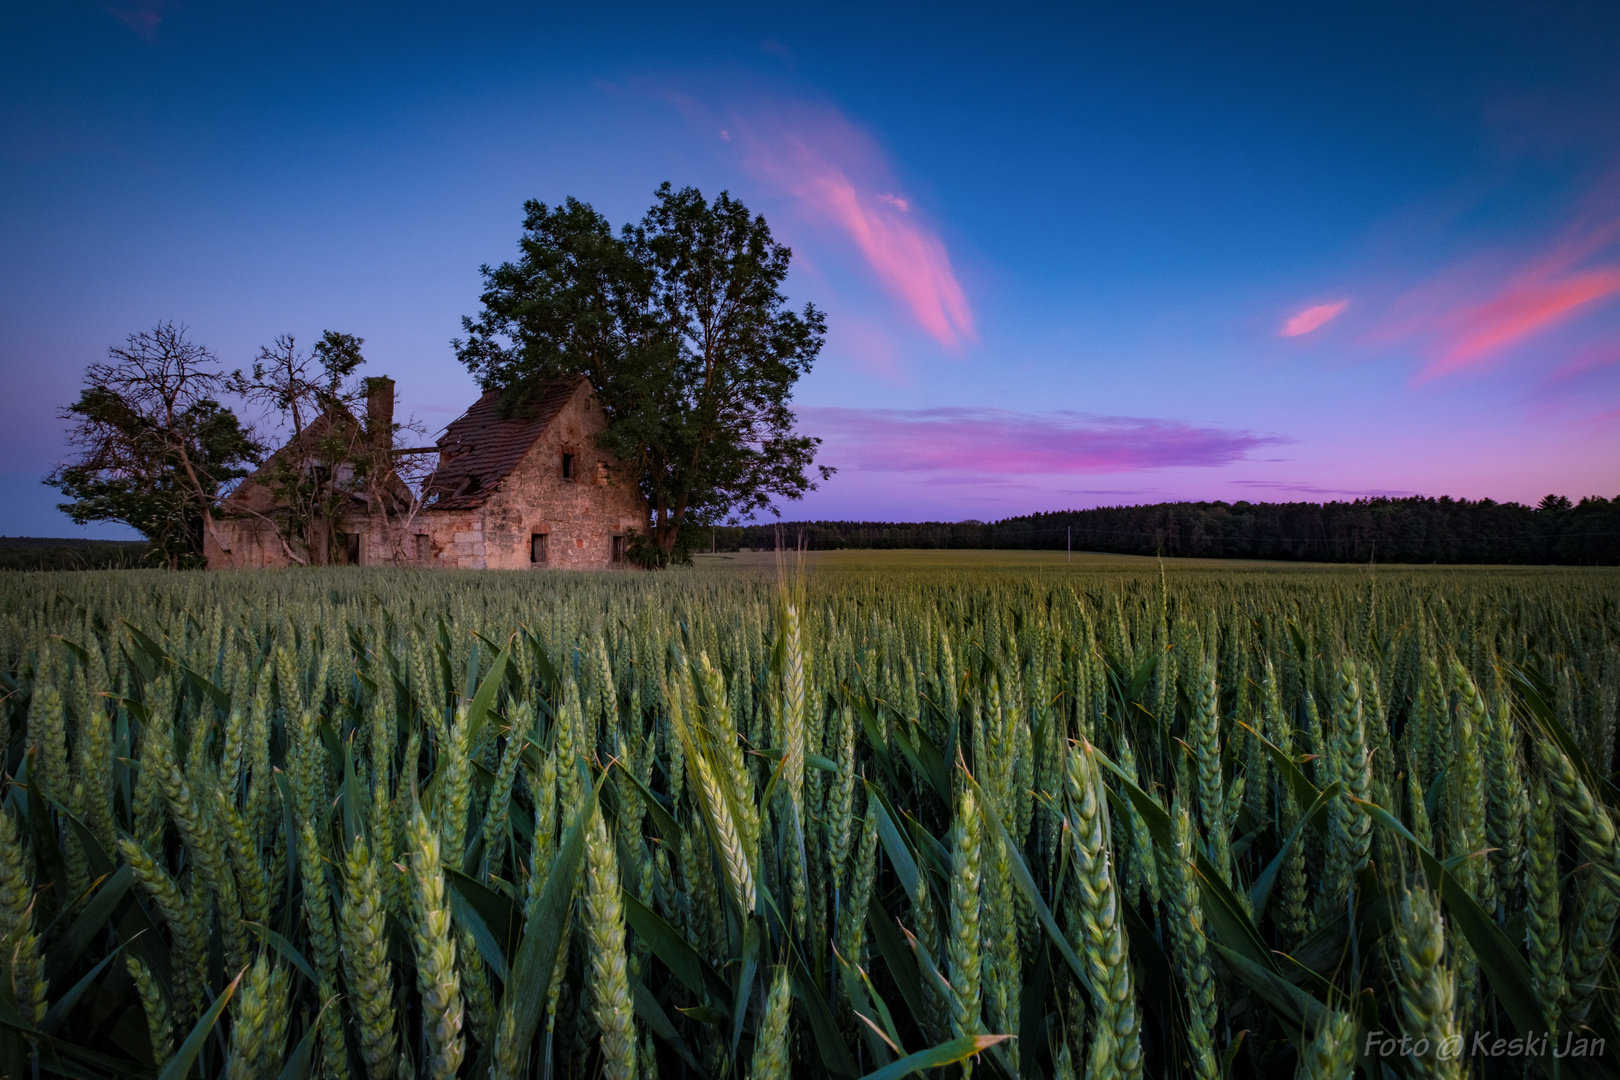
{"x":155,"y":447}
{"x":680,"y":324}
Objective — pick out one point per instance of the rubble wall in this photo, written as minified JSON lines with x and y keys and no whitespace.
{"x":579,"y":517}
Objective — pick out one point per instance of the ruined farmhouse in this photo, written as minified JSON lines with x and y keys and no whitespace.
{"x":529,"y":491}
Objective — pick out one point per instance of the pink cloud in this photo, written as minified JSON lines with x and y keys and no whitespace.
{"x":1312,"y":318}
{"x":968,"y":441}
{"x":1475,"y":309}
{"x":1519,"y":310}
{"x":840,"y":177}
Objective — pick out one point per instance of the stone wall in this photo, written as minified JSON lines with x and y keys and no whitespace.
{"x":253,"y":545}
{"x":579,"y":517}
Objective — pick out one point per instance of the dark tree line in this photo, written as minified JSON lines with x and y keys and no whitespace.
{"x":74,"y":553}
{"x":1413,"y":530}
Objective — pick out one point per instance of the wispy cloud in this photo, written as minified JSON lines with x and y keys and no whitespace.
{"x":839,"y":176}
{"x":1300,"y":487}
{"x":772,"y":47}
{"x":1584,"y":361}
{"x":1312,"y":318}
{"x":1476,"y":308}
{"x":976,"y":442}
{"x":143,"y":17}
{"x":1523,"y":307}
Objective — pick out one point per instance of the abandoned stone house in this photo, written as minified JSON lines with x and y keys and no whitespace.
{"x":525,"y":492}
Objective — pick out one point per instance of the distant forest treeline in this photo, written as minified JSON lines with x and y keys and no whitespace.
{"x":1413,"y":530}
{"x":72,"y":553}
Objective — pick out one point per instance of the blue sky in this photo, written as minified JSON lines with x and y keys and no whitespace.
{"x":1069,"y":258}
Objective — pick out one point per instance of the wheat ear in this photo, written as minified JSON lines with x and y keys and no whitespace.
{"x":365,"y":960}
{"x":963,"y":945}
{"x":1589,"y":819}
{"x":159,"y":1023}
{"x":1428,"y":994}
{"x":1332,"y":1053}
{"x":436,"y":977}
{"x":259,"y":1031}
{"x":1541,"y":930}
{"x":1102,"y":928}
{"x":1187,"y":926}
{"x":604,"y":926}
{"x":772,"y":1059}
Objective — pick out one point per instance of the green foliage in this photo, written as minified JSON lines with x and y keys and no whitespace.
{"x":155,"y":447}
{"x":681,"y":327}
{"x":642,"y":549}
{"x":390,"y":823}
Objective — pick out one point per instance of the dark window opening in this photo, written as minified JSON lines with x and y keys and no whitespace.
{"x":349,"y":549}
{"x":568,"y":466}
{"x":618,"y":549}
{"x":537,"y":548}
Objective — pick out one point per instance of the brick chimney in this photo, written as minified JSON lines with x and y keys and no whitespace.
{"x":380,"y":410}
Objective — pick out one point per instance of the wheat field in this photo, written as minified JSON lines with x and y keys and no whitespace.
{"x":1044,"y":821}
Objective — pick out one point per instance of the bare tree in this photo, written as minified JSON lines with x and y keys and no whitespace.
{"x":157,"y":449}
{"x":311,"y":394}
{"x":332,"y":457}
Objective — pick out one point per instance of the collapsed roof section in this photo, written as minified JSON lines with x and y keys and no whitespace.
{"x":480,"y":447}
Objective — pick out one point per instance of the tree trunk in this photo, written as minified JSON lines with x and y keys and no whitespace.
{"x":671,"y":529}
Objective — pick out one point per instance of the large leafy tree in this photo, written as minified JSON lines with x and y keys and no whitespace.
{"x":681,"y":326}
{"x":156,"y":449}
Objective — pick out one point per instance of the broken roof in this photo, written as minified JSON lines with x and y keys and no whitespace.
{"x":257,"y":493}
{"x":480,"y":447}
